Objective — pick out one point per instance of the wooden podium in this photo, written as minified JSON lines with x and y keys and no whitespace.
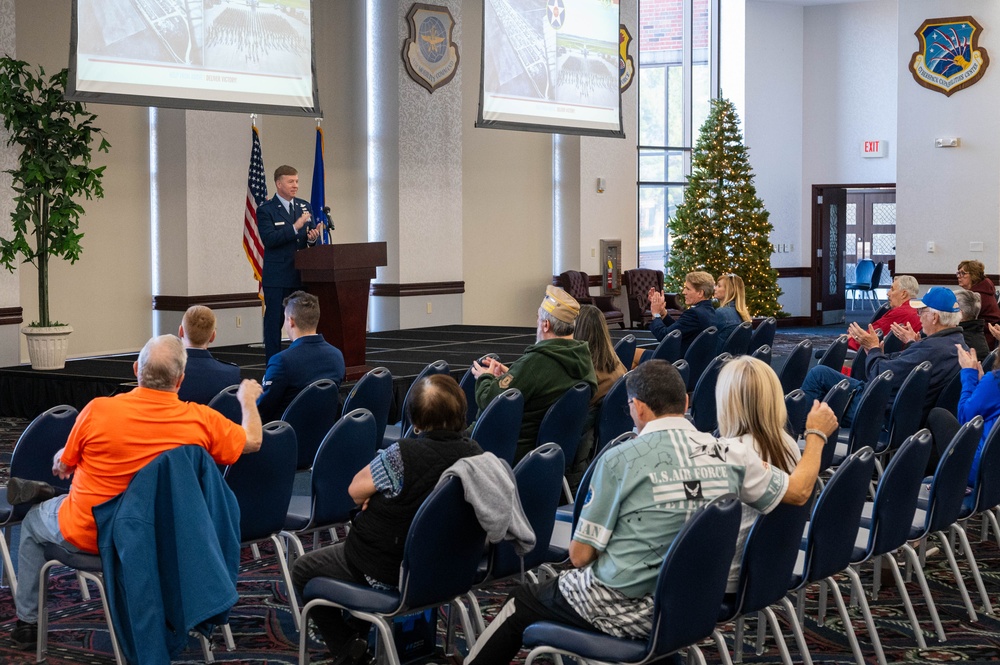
{"x":340,"y":276}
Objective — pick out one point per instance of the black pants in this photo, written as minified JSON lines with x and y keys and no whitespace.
{"x":337,"y":627}
{"x":274,"y":317}
{"x":528,"y":604}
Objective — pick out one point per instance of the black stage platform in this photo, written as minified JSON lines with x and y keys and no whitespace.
{"x":25,"y":393}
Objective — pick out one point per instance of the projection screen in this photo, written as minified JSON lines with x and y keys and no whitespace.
{"x":551,"y":66}
{"x":253,"y":56}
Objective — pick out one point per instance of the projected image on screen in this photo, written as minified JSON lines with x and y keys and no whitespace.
{"x":212,"y":53}
{"x":551,"y":65}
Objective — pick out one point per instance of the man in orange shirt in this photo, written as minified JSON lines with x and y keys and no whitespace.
{"x":113,"y":438}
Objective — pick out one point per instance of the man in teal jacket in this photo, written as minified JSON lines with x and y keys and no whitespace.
{"x":549,"y":367}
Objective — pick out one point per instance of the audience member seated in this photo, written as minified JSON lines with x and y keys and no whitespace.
{"x":939,"y":318}
{"x":699,"y":287}
{"x":204,"y":376}
{"x":972,"y":276}
{"x":980,"y":397}
{"x":751,"y":410}
{"x":732,"y":309}
{"x":592,"y":329}
{"x":903,"y":288}
{"x":973,"y":328}
{"x":616,"y":558}
{"x":113,"y":438}
{"x":389,"y":491}
{"x":308,"y":359}
{"x":552,"y":365}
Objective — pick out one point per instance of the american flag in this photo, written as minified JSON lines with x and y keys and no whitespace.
{"x":256,"y":195}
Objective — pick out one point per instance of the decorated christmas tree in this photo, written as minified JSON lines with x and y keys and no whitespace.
{"x":722,"y":226}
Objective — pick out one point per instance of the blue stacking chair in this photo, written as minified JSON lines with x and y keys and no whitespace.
{"x":879,"y":313}
{"x":703,"y":407}
{"x":441,"y":558}
{"x":262,"y":482}
{"x":468,"y":386}
{"x":226,"y":403}
{"x":796,"y":366}
{"x":950,"y":394}
{"x":32,"y":460}
{"x":497,"y":429}
{"x":394,"y":432}
{"x":940,"y":505}
{"x":563,"y":424}
{"x":763,"y":353}
{"x":613,"y":418}
{"x":986,"y":496}
{"x":738,"y":342}
{"x":683,"y":369}
{"x":700,"y":354}
{"x":537,"y":476}
{"x":347,"y":448}
{"x":868,"y":419}
{"x":905,"y":418}
{"x":862,"y":279}
{"x":766,"y":565}
{"x":835,"y":354}
{"x":686,"y":601}
{"x":892,"y":344}
{"x":669,"y":348}
{"x":838,"y":398}
{"x":858,"y":370}
{"x":829,"y":543}
{"x":885,"y":523}
{"x":311,"y":414}
{"x":990,"y":360}
{"x":763,"y":334}
{"x":625,"y":350}
{"x":798,"y":405}
{"x":373,"y":392}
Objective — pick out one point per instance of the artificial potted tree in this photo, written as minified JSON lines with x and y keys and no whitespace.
{"x":53,"y":174}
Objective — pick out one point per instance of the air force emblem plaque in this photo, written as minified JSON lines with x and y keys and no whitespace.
{"x":429,"y":54}
{"x":950,"y":57}
{"x":626,"y":66}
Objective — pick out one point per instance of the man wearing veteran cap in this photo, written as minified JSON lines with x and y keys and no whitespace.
{"x":939,"y":315}
{"x":549,"y":367}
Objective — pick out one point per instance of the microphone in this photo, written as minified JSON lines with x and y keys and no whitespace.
{"x":329,"y":220}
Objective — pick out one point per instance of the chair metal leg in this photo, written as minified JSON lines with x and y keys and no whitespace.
{"x":42,"y":645}
{"x":477,"y":614}
{"x":720,"y":644}
{"x":467,"y":627}
{"x":917,"y":569}
{"x":279,"y":549}
{"x":761,"y":633}
{"x":963,"y":539}
{"x":227,"y":634}
{"x":989,"y":517}
{"x":566,"y":490}
{"x":846,"y":619}
{"x":738,"y":639}
{"x":256,"y":551}
{"x":867,"y":613}
{"x":800,"y":638}
{"x":918,"y":633}
{"x":821,"y":605}
{"x":779,"y":639}
{"x":84,"y":589}
{"x":959,"y":582}
{"x":8,"y":566}
{"x":206,"y":648}
{"x":695,"y":654}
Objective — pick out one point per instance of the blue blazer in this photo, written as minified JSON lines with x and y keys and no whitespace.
{"x":170,"y":550}
{"x":204,"y":377}
{"x":281,"y":241}
{"x":691,"y":322}
{"x":309,"y":358}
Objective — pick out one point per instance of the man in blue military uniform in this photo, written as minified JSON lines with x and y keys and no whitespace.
{"x":204,"y":375}
{"x":285,"y":226}
{"x":309,"y":358}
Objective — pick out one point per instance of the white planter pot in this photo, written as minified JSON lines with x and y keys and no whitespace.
{"x":47,"y":347}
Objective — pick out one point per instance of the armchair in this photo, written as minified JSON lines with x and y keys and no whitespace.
{"x":638,"y":282}
{"x":577,"y":284}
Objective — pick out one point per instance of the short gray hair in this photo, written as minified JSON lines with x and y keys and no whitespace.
{"x":909,"y":284}
{"x":559,"y":328}
{"x":947,"y":319}
{"x":161,"y":363}
{"x":970,"y":303}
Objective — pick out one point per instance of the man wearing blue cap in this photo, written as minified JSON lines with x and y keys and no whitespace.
{"x":939,"y":315}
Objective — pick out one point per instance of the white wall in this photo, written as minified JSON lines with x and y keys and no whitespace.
{"x":947,"y":196}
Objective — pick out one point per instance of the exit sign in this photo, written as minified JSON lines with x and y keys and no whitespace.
{"x":874,"y":148}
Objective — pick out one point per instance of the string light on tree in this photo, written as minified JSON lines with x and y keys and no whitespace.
{"x":722,"y":225}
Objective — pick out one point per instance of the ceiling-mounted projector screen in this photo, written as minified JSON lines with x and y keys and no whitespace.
{"x":551,"y":66}
{"x":221,"y":55}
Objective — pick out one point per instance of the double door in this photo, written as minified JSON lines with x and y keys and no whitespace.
{"x":870,"y":224}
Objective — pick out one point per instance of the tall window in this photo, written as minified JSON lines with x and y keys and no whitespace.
{"x":678,"y":47}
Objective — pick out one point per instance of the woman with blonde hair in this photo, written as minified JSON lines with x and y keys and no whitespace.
{"x":751,"y":410}
{"x":592,"y":328}
{"x":732,"y":310}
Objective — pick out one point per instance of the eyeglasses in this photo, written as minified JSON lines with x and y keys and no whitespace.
{"x":961,"y":273}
